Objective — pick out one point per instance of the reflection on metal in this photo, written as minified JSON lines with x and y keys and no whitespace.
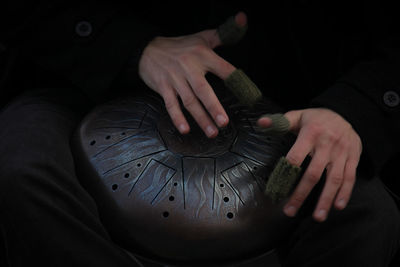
{"x":182,"y":198}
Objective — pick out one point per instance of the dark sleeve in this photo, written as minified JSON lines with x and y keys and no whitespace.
{"x":368,"y":94}
{"x":86,"y":42}
{"x":368,"y":98}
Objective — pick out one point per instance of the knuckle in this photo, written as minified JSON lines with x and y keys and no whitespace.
{"x":225,"y":65}
{"x":197,"y":47}
{"x":350,"y":177}
{"x":343,"y":144}
{"x":332,"y":136}
{"x":336,"y":180}
{"x":293,"y":159}
{"x":200,"y":48}
{"x":189,"y":101}
{"x":184,"y":59}
{"x":328,"y":137}
{"x":313,"y":177}
{"x":315,"y":129}
{"x":169,"y":103}
{"x":159,"y":83}
{"x":200,"y":86}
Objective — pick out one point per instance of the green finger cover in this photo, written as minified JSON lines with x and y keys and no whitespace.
{"x":282,"y":180}
{"x":243,"y":88}
{"x":280,"y":124}
{"x":230,"y":33}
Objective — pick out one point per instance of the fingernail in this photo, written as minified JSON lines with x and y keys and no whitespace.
{"x":321,"y":215}
{"x":341,"y":204}
{"x":290,"y":211}
{"x":241,"y":19}
{"x":221,"y":120}
{"x":182,"y":128}
{"x":210,"y":130}
{"x":264,"y":122}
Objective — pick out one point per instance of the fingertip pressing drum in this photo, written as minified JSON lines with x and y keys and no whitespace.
{"x":245,"y":90}
{"x":282,"y":180}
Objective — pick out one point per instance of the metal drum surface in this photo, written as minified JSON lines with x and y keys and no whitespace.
{"x":182,"y":198}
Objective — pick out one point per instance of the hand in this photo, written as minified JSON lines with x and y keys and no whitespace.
{"x":333,"y":145}
{"x":175,"y":67}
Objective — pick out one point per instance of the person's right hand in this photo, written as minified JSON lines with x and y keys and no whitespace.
{"x":176,"y":67}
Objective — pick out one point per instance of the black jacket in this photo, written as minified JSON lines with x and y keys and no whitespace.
{"x":343,"y":55}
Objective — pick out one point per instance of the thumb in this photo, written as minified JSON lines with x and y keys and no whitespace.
{"x":280,"y":123}
{"x":230,"y":32}
{"x":294,"y":118}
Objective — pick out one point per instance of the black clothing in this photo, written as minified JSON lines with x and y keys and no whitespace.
{"x":40,"y":191}
{"x":342,"y":55}
{"x":331,"y":54}
{"x":50,"y":219}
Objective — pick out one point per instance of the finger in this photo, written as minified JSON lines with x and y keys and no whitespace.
{"x":310,"y":178}
{"x":217,"y":65}
{"x":264,"y":122}
{"x":206,"y":94}
{"x":230,"y":32}
{"x":241,"y":19}
{"x":174,"y":110}
{"x":192,"y":104}
{"x":349,"y":179}
{"x":274,"y":123}
{"x":294,"y":118}
{"x":300,"y":149}
{"x":334,"y":180}
{"x":349,"y":175}
{"x":233,"y":29}
{"x":243,"y":88}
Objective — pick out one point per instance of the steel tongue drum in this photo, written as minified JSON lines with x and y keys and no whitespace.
{"x":183,"y":198}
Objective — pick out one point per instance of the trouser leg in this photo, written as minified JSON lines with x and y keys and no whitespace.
{"x":48,"y":218}
{"x":366,"y":233}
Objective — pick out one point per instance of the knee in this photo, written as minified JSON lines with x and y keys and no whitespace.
{"x":377,"y":218}
{"x":16,"y":177}
{"x":25,"y":176}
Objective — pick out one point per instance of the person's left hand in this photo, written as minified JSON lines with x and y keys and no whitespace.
{"x":333,"y":145}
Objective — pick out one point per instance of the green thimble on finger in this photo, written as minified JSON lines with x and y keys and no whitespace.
{"x":280,"y":124}
{"x":243,"y":88}
{"x":282,"y":180}
{"x":230,"y":33}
